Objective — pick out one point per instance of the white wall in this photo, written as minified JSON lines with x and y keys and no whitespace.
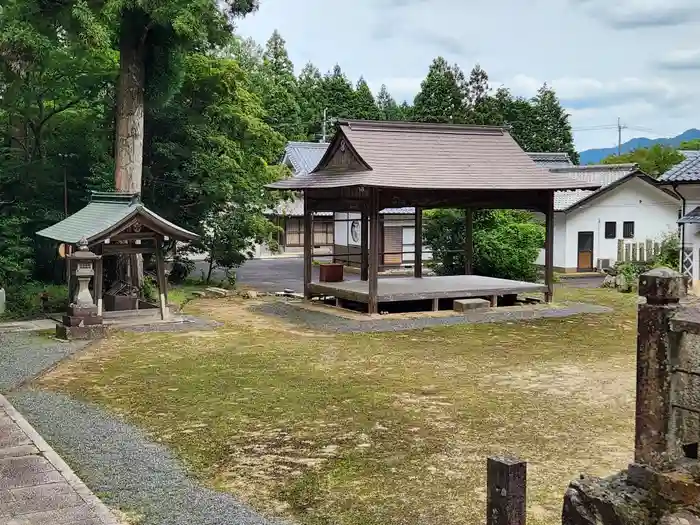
{"x":343,"y":222}
{"x":559,"y":240}
{"x":653,"y":212}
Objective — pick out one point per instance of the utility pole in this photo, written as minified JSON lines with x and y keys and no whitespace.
{"x":620,"y":127}
{"x":325,"y":119}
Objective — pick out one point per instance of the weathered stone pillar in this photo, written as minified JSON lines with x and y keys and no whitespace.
{"x":656,"y":343}
{"x":506,"y":485}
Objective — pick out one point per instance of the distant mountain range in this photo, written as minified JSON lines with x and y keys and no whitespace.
{"x":594,"y":156}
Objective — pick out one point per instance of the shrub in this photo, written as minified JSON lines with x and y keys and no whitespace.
{"x":24,"y":302}
{"x":506,"y":243}
{"x":669,"y":252}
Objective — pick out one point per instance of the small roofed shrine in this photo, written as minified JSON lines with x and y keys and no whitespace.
{"x":103,"y":242}
{"x":373,"y":165}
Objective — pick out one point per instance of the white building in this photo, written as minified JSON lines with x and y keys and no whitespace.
{"x":588,"y":224}
{"x":684,"y":180}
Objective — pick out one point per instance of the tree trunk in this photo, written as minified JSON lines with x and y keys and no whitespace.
{"x":128,"y":151}
{"x":131,"y":85}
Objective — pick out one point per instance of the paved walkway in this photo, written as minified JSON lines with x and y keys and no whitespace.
{"x":36,"y":485}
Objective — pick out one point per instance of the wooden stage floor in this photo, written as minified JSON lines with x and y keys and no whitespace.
{"x":394,"y":289}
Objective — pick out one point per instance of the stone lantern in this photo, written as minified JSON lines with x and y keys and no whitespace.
{"x":82,"y":320}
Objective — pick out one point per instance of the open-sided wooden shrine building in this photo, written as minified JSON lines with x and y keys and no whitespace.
{"x":370,"y":166}
{"x":117,"y":227}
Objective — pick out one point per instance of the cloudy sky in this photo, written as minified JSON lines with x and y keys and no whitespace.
{"x":634,"y":59}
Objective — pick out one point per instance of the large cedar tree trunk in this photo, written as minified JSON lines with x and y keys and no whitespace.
{"x":131,"y":85}
{"x":128,"y":151}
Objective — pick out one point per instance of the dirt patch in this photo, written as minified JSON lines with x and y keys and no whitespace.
{"x":610,"y":382}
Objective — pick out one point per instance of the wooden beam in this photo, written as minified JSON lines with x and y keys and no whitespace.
{"x":549,"y":249}
{"x":134,"y":236}
{"x":418,"y":245}
{"x":469,"y":241}
{"x":99,"y":281}
{"x":123,"y":249}
{"x":373,"y":306}
{"x":308,"y":247}
{"x":160,"y":274}
{"x":364,"y":247}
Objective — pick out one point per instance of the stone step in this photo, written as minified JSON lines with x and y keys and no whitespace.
{"x":469,"y":305}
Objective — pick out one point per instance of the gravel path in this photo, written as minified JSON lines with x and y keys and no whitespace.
{"x":124,"y":468}
{"x":24,"y":356}
{"x":333,"y":323}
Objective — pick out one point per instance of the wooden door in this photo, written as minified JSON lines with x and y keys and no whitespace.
{"x":585,"y":251}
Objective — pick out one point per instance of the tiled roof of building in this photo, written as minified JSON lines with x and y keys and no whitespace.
{"x":601,"y":174}
{"x":685,"y":171}
{"x":304,"y":156}
{"x":106,"y":213}
{"x":432,"y":156}
{"x":551,"y":160}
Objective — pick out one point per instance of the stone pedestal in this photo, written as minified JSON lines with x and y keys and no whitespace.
{"x":83,"y":319}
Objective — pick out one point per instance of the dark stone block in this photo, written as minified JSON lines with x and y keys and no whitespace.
{"x":81,"y":332}
{"x":70,"y":320}
{"x":82,"y":312}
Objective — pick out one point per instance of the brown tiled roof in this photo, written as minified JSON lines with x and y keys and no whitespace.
{"x":432,"y":156}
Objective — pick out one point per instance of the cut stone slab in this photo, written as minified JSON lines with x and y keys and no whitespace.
{"x":218,"y":292}
{"x":36,"y":486}
{"x":469,"y":305}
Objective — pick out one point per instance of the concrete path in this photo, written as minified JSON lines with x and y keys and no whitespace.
{"x":37,"y":325}
{"x":36,"y":485}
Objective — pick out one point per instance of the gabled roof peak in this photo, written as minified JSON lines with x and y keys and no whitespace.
{"x":420,"y":127}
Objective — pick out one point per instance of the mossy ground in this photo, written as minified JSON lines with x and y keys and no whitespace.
{"x":388,"y":428}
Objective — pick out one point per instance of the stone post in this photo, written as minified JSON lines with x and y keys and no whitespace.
{"x":653,"y":444}
{"x":506,"y":484}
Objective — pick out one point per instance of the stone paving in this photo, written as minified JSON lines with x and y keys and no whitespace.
{"x":36,"y":485}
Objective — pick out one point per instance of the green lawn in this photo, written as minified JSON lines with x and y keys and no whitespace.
{"x":377,"y":428}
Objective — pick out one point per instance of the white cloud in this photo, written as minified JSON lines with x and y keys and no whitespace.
{"x":681,"y":59}
{"x":630,"y":14}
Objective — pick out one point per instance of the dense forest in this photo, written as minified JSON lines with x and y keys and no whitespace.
{"x":167,"y":100}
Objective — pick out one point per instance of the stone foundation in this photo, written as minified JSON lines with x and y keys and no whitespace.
{"x":85,"y":332}
{"x":638,"y":496}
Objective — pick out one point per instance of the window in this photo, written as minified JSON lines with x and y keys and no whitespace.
{"x":323,"y":232}
{"x":610,"y":230}
{"x":295,"y":232}
{"x":628,"y":230}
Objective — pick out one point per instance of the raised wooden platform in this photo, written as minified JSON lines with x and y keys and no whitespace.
{"x":395,"y":289}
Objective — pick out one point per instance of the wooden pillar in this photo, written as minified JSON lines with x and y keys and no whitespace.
{"x":469,"y":241}
{"x":506,"y":485}
{"x":364,"y":247}
{"x":308,"y":247}
{"x":418,"y":245}
{"x":99,"y":281}
{"x":549,"y":248}
{"x":373,"y":305}
{"x":160,"y":274}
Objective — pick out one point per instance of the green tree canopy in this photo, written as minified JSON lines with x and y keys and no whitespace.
{"x":654,"y":161}
{"x":311,"y":101}
{"x":441,"y":96}
{"x":365,"y":105}
{"x":338,"y":95}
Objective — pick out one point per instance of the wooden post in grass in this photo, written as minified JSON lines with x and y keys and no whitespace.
{"x":506,"y":483}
